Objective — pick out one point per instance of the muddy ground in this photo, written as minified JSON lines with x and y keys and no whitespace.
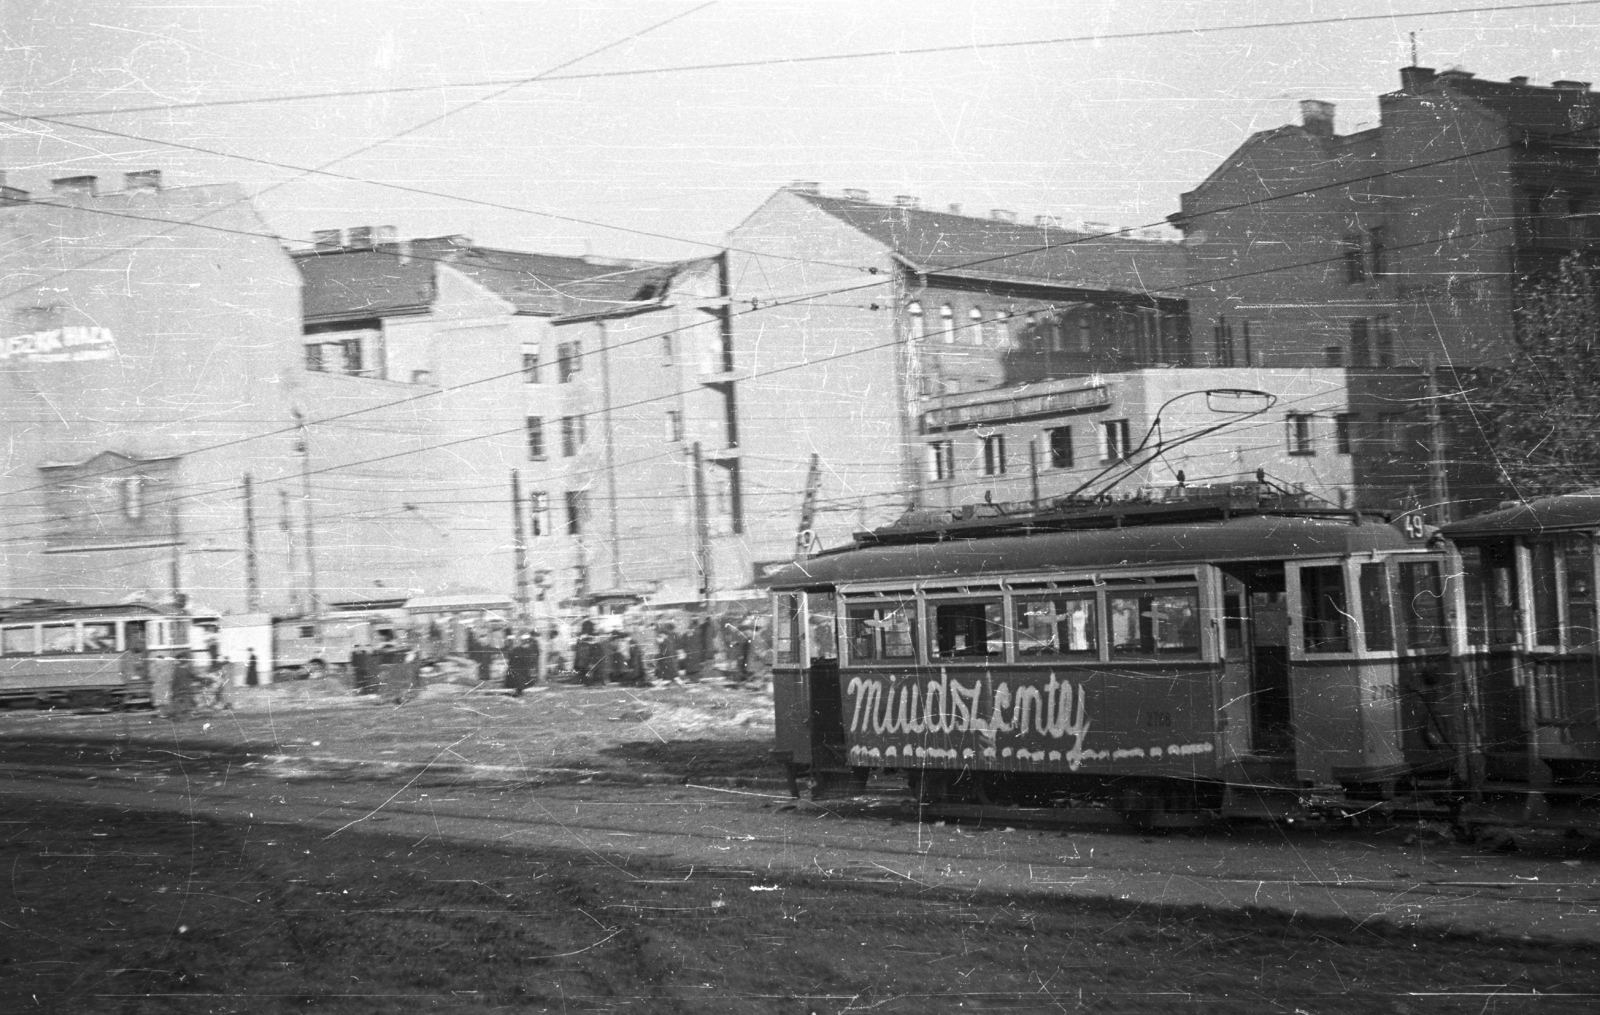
{"x":120,"y":910}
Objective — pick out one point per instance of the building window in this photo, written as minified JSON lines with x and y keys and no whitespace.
{"x":1298,"y":425}
{"x":1377,"y":249}
{"x":942,"y":460}
{"x":422,"y":377}
{"x":1222,"y":335}
{"x":1342,"y":431}
{"x":980,"y":331}
{"x":573,"y":435}
{"x":351,"y":348}
{"x":666,"y":350}
{"x":569,"y":361}
{"x":1355,"y":268}
{"x":1061,"y":447}
{"x":535,"y":439}
{"x":530,"y":367}
{"x":1333,"y":356}
{"x":674,"y":426}
{"x":1002,"y":330}
{"x":994,"y":455}
{"x":1114,"y":440}
{"x":314,"y":358}
{"x":1360,"y":343}
{"x":917,"y":323}
{"x":133,"y":498}
{"x":577,"y":512}
{"x":947,"y":323}
{"x":538,"y":514}
{"x":1385,"y":336}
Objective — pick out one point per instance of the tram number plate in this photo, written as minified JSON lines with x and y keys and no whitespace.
{"x":1158,"y":718}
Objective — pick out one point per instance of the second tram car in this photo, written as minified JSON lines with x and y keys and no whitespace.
{"x":1231,"y":654}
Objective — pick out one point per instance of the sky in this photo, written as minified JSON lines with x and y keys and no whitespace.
{"x":623,"y":149}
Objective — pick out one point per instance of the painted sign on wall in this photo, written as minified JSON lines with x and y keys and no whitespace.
{"x":60,"y":345}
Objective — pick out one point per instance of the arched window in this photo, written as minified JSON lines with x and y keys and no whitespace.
{"x":977,"y":329}
{"x":1002,"y":329}
{"x":947,"y":323}
{"x":918,"y":326}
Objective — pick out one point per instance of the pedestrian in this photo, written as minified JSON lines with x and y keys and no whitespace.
{"x":359,"y":667}
{"x":633,"y":662}
{"x":666,"y":655}
{"x":222,"y":675}
{"x":516,"y":677}
{"x":185,"y":694}
{"x":252,"y":671}
{"x":530,"y":648}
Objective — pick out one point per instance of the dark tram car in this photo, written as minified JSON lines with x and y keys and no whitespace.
{"x":1529,"y":661}
{"x":1241,"y":660}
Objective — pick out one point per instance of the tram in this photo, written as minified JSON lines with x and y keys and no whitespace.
{"x":54,"y":652}
{"x":1529,"y":663}
{"x":1235,"y":653}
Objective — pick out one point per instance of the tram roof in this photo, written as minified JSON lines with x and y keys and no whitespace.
{"x":1252,"y":538}
{"x":1571,"y":512}
{"x":36,"y":610}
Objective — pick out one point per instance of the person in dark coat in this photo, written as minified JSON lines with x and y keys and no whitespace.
{"x":516,"y":653}
{"x":360,"y":668}
{"x":633,"y":663}
{"x":252,"y":671}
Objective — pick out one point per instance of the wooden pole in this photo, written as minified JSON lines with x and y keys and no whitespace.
{"x":252,"y":556}
{"x":518,"y":535}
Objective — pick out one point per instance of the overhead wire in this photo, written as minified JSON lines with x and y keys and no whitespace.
{"x":968,"y":47}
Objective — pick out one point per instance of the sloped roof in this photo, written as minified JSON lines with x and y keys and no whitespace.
{"x":1532,"y":109}
{"x":935,"y":242}
{"x":350,"y":284}
{"x":1573,"y":512}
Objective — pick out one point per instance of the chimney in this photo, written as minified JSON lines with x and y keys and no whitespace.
{"x":1316,"y":117}
{"x":955,"y":209}
{"x":358,"y":238}
{"x":145,"y":179}
{"x":1520,"y":79}
{"x":385,"y":238}
{"x":906,"y":201}
{"x":852,"y":194}
{"x":1002,"y":215}
{"x":805,"y":187}
{"x":79,"y":186}
{"x":1571,"y":86}
{"x":1047,"y":221}
{"x":325,"y":239}
{"x":1414,"y":79}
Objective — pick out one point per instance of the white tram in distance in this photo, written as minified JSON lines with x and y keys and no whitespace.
{"x":61,"y":653}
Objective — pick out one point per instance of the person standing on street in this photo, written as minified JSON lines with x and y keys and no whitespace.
{"x":252,"y":671}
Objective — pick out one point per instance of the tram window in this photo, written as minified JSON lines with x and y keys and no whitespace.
{"x":1546,"y":621}
{"x":1151,"y":624}
{"x":822,"y":633}
{"x":1489,"y":580}
{"x":1577,"y":559}
{"x":100,"y":637}
{"x":786,"y":631}
{"x":133,"y":636}
{"x":1376,"y":615}
{"x":967,"y":630}
{"x":882,"y":631}
{"x":1325,"y":613}
{"x":1422,"y":604}
{"x":1057,"y":627}
{"x":59,"y":638}
{"x":18,"y":641}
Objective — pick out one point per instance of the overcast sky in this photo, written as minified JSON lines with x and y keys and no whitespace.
{"x":1101,"y":129}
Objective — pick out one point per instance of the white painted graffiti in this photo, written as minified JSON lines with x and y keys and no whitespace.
{"x":950,"y":706}
{"x":60,"y":344}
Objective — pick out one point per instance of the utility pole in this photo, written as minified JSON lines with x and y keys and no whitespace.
{"x":252,"y":557}
{"x":1438,"y":480}
{"x":303,"y":445}
{"x":521,"y":543}
{"x":611,"y":459}
{"x":804,"y":538}
{"x":702,"y":526}
{"x":179,"y":600}
{"x":288,"y":540}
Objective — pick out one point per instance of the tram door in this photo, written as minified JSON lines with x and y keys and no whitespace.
{"x":1256,"y":619}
